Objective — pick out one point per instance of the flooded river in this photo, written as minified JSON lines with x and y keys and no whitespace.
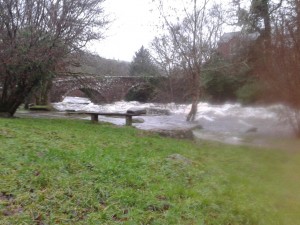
{"x":229,"y":123}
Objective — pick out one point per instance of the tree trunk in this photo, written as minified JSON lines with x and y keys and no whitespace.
{"x":195,"y":96}
{"x":42,"y":92}
{"x":9,"y":103}
{"x":171,"y":89}
{"x":192,"y":114}
{"x":9,"y":108}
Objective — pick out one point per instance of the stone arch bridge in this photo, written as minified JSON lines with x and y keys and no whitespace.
{"x":100,"y":89}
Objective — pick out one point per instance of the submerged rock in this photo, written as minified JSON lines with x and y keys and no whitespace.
{"x":158,"y":111}
{"x":198,"y":126}
{"x":136,"y":110}
{"x":183,"y":133}
{"x":138,"y":120}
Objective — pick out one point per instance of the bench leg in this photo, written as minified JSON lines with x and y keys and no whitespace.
{"x":128,"y":120}
{"x":94,"y":118}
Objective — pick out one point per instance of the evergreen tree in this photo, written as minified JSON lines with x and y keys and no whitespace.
{"x":142,"y":64}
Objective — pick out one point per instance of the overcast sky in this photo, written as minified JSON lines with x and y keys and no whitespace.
{"x":133,"y":26}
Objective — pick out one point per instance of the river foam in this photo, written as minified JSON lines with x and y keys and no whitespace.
{"x":230,"y":122}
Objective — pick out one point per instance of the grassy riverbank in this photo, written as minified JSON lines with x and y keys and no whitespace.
{"x":74,"y":172}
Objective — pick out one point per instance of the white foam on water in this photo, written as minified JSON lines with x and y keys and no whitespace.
{"x":206,"y":111}
{"x":76,"y":100}
{"x":226,"y":122}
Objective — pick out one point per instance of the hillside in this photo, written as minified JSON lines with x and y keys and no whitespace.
{"x":89,"y":63}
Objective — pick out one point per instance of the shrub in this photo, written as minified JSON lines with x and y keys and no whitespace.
{"x":141,"y":93}
{"x":220,"y":87}
{"x":249,"y":93}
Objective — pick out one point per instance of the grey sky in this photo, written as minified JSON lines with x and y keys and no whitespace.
{"x":133,"y":26}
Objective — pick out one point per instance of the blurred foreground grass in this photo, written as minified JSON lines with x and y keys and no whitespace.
{"x":74,"y":172}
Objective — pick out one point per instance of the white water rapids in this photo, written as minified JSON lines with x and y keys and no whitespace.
{"x":230,"y":123}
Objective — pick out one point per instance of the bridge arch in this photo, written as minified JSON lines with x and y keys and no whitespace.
{"x":90,"y":92}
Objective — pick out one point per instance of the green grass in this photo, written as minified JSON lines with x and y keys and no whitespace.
{"x":74,"y":172}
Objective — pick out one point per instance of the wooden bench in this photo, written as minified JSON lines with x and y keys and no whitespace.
{"x":128,"y":116}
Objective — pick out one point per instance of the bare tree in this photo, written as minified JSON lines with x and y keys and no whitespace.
{"x":165,"y":56}
{"x":35,"y":38}
{"x":189,"y":42}
{"x":281,"y":74}
{"x":278,"y":52}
